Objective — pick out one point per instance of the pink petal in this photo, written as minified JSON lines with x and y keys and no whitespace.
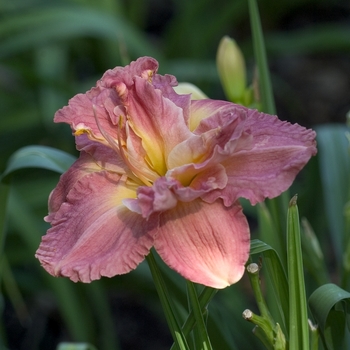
{"x":216,"y":137}
{"x":126,"y":74}
{"x":206,"y":108}
{"x":104,"y":156}
{"x":105,"y":100}
{"x":166,"y":84}
{"x":80,"y":114}
{"x":280,"y":151}
{"x":205,"y":243}
{"x":158,"y":121}
{"x":81,"y":167}
{"x":159,"y":197}
{"x":165,"y":192}
{"x":93,"y":234}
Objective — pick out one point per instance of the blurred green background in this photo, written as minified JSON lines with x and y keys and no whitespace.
{"x":51,"y":50}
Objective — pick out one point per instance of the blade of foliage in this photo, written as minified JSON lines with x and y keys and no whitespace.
{"x":269,"y":235}
{"x":38,"y":157}
{"x":4,"y":193}
{"x":267,"y":99}
{"x":268,"y":232}
{"x":77,"y":317}
{"x":198,"y":315}
{"x":334,"y":160}
{"x":102,"y":310}
{"x":166,"y":302}
{"x":51,"y":62}
{"x":346,"y":260}
{"x":31,"y":29}
{"x":275,"y":272}
{"x":13,"y":291}
{"x":204,"y":298}
{"x":227,"y":331}
{"x":313,"y":257}
{"x":277,"y":206}
{"x":330,"y":306}
{"x":316,"y":38}
{"x":314,"y":337}
{"x":298,"y":322}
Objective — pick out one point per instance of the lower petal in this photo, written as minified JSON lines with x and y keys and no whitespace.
{"x":205,"y":243}
{"x":93,"y":234}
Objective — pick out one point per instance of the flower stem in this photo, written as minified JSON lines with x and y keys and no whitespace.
{"x":198,"y":315}
{"x":267,"y":330}
{"x":204,"y":298}
{"x":253,"y":273}
{"x":265,"y":91}
{"x":165,"y":299}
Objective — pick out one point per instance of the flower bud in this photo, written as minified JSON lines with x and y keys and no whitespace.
{"x":232,"y":71}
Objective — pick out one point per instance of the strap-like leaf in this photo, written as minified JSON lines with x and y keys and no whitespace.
{"x":330,"y":306}
{"x":38,"y":157}
{"x":298,"y":321}
{"x":277,"y":275}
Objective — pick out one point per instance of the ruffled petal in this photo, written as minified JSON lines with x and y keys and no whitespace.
{"x":93,"y":234}
{"x":280,"y":151}
{"x":158,"y":122}
{"x":105,"y":102}
{"x":166,"y":192}
{"x":159,"y":197}
{"x":143,"y":66}
{"x":205,"y":243}
{"x":104,"y":156}
{"x":83,"y":110}
{"x":206,"y":108}
{"x":216,"y":138}
{"x":83,"y":166}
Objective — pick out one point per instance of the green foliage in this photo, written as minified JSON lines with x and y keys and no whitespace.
{"x":298,"y":325}
{"x":51,"y":50}
{"x":329,"y":305}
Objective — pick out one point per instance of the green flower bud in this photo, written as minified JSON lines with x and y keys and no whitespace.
{"x":232,"y":71}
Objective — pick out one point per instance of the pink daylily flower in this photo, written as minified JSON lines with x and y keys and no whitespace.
{"x":159,"y":170}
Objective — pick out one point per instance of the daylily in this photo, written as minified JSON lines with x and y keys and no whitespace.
{"x":159,"y":170}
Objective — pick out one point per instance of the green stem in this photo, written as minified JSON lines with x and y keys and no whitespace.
{"x":314,"y":336}
{"x":204,"y":298}
{"x":164,"y":296}
{"x":298,"y":322}
{"x":198,"y":315}
{"x":4,"y":193}
{"x":267,"y":99}
{"x":253,"y":273}
{"x":263,"y":329}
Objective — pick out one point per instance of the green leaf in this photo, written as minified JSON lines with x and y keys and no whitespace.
{"x":330,"y":306}
{"x":313,"y":257}
{"x":32,"y":29}
{"x":267,"y":99}
{"x":38,"y":157}
{"x":77,"y":317}
{"x":204,"y":298}
{"x":4,"y":192}
{"x":298,"y":322}
{"x":167,"y":304}
{"x":198,"y":315}
{"x":334,"y":160}
{"x":307,"y":40}
{"x":277,"y":276}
